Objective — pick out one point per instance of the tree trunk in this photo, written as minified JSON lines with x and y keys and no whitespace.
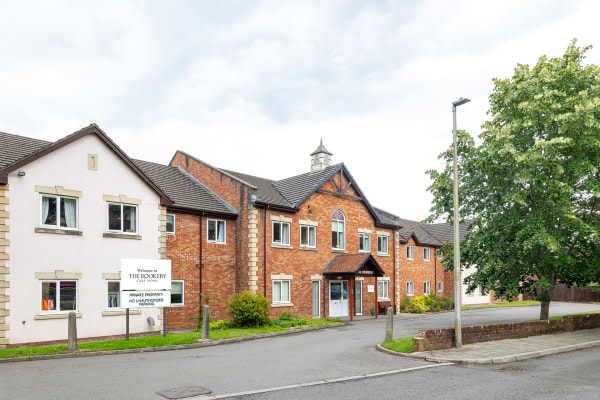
{"x":545,"y":306}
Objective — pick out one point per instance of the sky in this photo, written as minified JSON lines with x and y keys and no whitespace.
{"x":253,"y":86}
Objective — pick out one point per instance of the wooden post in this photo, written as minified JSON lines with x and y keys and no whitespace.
{"x":376,"y":298}
{"x":351,"y":294}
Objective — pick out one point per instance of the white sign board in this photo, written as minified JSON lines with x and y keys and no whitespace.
{"x":370,"y":288}
{"x":145,"y":298}
{"x":140,"y":274}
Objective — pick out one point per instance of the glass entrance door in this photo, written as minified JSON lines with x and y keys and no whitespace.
{"x":338,"y":298}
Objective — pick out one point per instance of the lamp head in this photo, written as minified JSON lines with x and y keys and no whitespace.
{"x":460,"y":102}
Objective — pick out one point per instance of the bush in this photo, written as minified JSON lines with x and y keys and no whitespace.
{"x":249,"y":309}
{"x":420,"y":305}
{"x":221,"y":324}
{"x":405,"y":304}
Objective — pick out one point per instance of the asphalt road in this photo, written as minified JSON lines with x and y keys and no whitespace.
{"x":565,"y":376}
{"x":334,"y":353}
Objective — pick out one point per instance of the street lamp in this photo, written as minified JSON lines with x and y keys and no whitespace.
{"x":457,"y":271}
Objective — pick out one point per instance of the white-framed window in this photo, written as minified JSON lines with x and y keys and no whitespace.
{"x":177,"y":291}
{"x":281,"y":233}
{"x":410,"y":288}
{"x":281,"y":291}
{"x":426,"y":253}
{"x":113,"y":294}
{"x":364,"y":242}
{"x":410,"y":253}
{"x":308,"y":236}
{"x":170,"y":224}
{"x":316,"y":299}
{"x":59,"y":295}
{"x":338,"y":230}
{"x":59,"y":211}
{"x":216,"y":231}
{"x":440,"y":286}
{"x":122,"y":217}
{"x":382,"y":290}
{"x":427,"y":287}
{"x":382,"y":244}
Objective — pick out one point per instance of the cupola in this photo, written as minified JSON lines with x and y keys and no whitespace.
{"x":320,"y":158}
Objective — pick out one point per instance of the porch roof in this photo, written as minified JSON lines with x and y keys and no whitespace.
{"x":362,"y":264}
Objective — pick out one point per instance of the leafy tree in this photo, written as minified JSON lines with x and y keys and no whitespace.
{"x":532,"y":187}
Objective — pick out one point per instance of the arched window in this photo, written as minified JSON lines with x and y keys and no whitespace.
{"x":338,"y":230}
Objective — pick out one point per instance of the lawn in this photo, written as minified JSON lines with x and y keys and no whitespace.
{"x":158,"y":340}
{"x":402,"y":345}
{"x":507,"y":304}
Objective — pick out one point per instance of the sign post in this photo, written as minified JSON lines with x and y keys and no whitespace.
{"x":145,"y":284}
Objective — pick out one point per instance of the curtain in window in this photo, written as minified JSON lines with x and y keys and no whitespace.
{"x":45,"y":209}
{"x":129,"y":219}
{"x":70,"y":210}
{"x":221,"y":232}
{"x":313,"y":237}
{"x":276,"y":291}
{"x":285,"y":238}
{"x":285,"y":291}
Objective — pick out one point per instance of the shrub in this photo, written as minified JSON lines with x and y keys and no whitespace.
{"x":221,"y":324}
{"x":419,"y":305}
{"x":285,"y":315}
{"x":249,"y":309}
{"x":405,"y":304}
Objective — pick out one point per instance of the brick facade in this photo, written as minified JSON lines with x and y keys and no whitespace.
{"x":418,"y":270}
{"x":206,"y":268}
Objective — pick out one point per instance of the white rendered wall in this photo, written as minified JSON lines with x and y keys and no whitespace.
{"x":90,"y":254}
{"x":476,"y":297}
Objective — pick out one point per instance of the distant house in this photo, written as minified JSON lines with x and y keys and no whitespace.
{"x":421,"y":271}
{"x":70,"y":210}
{"x":445,"y":233}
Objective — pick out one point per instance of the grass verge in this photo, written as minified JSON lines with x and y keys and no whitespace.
{"x":507,"y":304}
{"x":402,"y":345}
{"x":158,"y":340}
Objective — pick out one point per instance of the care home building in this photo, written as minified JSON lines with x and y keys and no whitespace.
{"x":70,"y":210}
{"x":312,"y":243}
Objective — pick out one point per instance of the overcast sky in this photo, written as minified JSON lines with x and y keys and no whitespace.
{"x":252,"y":86}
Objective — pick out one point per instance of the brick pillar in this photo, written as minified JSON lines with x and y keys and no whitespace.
{"x":253,"y":250}
{"x":162,"y":232}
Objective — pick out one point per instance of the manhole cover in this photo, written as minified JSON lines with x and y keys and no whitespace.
{"x":508,"y":369}
{"x":183,"y":392}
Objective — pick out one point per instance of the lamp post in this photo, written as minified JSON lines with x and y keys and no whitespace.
{"x":457,"y":271}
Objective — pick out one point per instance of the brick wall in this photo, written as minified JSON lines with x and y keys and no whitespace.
{"x":235,"y":193}
{"x":304,"y":264}
{"x":436,"y":339}
{"x":418,"y":270}
{"x":207,"y":268}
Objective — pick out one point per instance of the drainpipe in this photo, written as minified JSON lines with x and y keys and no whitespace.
{"x":394,"y":272}
{"x":200,"y":264}
{"x":265,"y":252}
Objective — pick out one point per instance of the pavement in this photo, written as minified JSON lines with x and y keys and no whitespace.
{"x":510,"y":350}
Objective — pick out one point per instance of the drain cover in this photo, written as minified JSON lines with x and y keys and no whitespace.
{"x":183,"y":392}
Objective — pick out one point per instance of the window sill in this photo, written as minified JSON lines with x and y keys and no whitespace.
{"x":213,"y":242}
{"x":62,"y":315}
{"x":308,"y":248}
{"x":338,"y":251}
{"x":383,"y":254}
{"x":110,"y":313}
{"x":176,"y":305}
{"x":121,"y":236}
{"x":59,"y":231}
{"x":281,"y":246}
{"x":275,"y":305}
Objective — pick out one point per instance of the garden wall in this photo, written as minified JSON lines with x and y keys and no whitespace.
{"x":437,"y":339}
